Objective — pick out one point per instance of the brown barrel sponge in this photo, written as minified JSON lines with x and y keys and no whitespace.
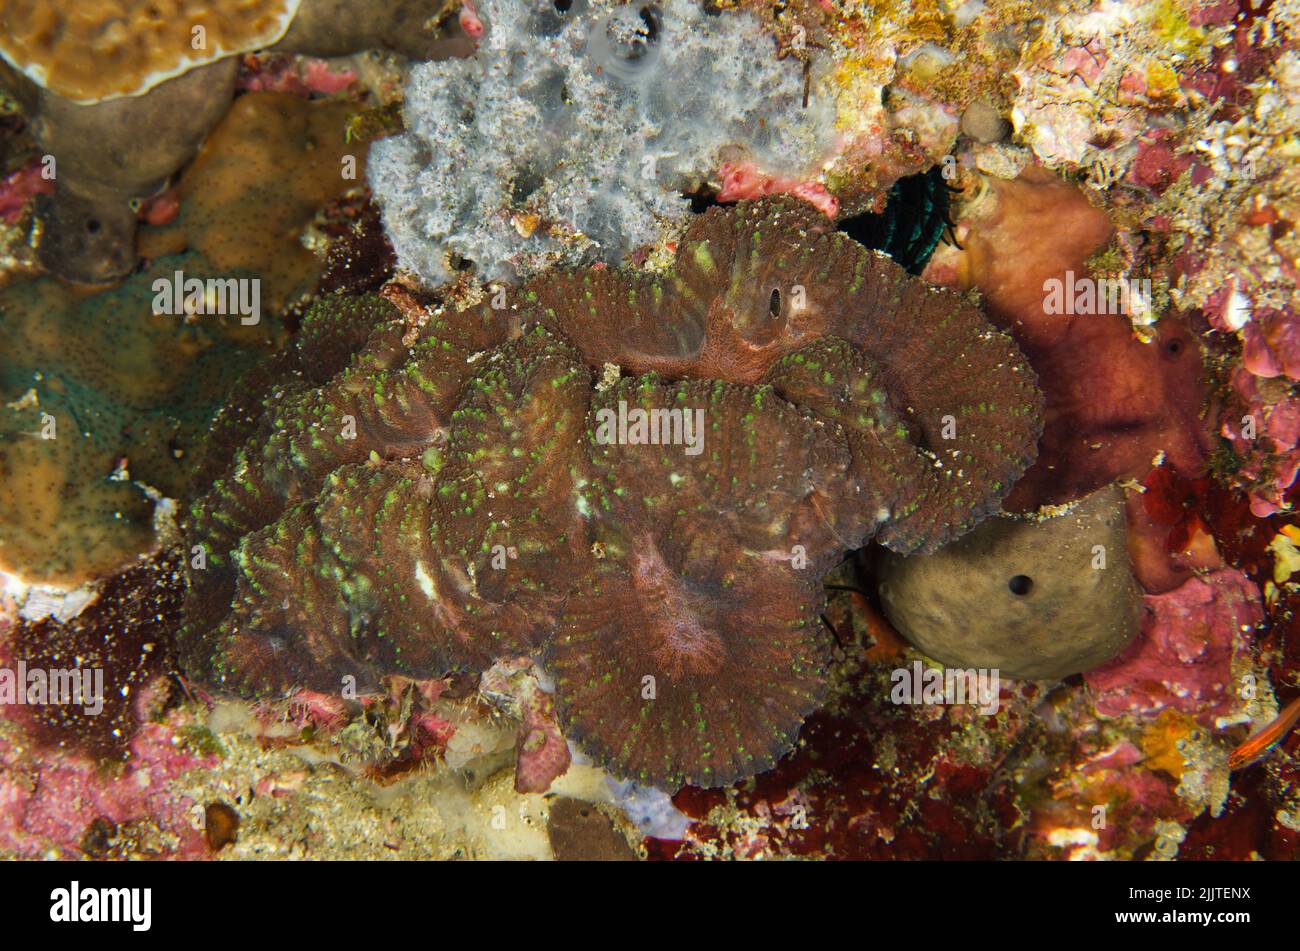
{"x":1035,"y":599}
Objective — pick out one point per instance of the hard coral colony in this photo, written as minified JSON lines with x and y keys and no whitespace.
{"x":697,"y":429}
{"x":784,"y":401}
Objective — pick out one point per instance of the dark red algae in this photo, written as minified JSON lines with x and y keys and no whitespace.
{"x":127,"y":633}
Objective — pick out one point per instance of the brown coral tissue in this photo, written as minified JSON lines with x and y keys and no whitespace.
{"x":640,"y":478}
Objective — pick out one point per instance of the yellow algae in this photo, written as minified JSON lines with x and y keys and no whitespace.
{"x":1162,"y":82}
{"x":1160,"y":742}
{"x":1286,"y":554}
{"x":1170,"y":25}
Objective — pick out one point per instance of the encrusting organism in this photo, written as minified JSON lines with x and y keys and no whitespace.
{"x":130,"y":388}
{"x":122,"y":93}
{"x":639,"y":478}
{"x":576,"y":130}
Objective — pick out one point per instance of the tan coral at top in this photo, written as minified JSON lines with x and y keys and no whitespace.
{"x":105,"y":49}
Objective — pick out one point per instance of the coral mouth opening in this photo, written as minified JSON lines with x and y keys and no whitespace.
{"x":676,"y":617}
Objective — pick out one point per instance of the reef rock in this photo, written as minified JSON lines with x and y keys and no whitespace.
{"x":1192,"y":640}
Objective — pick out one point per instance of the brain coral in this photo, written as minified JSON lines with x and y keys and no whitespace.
{"x":572,"y":133}
{"x":461,"y":488}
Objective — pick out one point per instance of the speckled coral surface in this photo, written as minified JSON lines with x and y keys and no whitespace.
{"x":91,"y":52}
{"x":832,"y":396}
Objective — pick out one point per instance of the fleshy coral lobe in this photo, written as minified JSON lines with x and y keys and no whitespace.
{"x":668,"y":576}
